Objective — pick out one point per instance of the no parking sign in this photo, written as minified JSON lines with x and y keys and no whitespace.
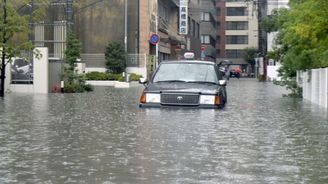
{"x":154,"y":39}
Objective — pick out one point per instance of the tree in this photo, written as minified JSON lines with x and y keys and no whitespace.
{"x":14,"y":30}
{"x":250,"y":54}
{"x":303,"y":37}
{"x":72,"y":81}
{"x":115,"y":57}
{"x":73,"y":50}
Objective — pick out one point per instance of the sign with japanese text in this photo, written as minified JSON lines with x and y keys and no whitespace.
{"x":183,"y":17}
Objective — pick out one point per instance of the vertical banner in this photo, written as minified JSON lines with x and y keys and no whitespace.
{"x":183,"y":17}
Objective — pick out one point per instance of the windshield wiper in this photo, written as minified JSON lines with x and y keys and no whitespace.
{"x":172,"y":81}
{"x":203,"y":82}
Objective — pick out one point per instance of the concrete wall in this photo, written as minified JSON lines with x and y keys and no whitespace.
{"x":315,"y":85}
{"x":41,"y":71}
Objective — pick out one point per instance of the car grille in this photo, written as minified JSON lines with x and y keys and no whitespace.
{"x":179,"y":99}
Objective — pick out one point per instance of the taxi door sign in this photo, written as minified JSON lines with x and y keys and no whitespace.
{"x":183,"y":17}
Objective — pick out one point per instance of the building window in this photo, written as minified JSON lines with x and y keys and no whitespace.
{"x":237,"y":25}
{"x":237,"y":11}
{"x":237,"y":39}
{"x":235,"y":53}
{"x":205,"y":16}
{"x":205,"y":39}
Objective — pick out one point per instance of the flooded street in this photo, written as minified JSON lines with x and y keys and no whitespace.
{"x":103,"y":137}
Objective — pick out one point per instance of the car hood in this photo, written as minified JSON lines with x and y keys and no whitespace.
{"x":181,"y":87}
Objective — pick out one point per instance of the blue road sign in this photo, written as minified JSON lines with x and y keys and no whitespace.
{"x":154,"y":39}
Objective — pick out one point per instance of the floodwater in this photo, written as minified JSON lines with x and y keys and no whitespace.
{"x":103,"y":137}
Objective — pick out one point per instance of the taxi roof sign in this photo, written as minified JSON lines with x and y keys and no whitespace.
{"x":189,"y":55}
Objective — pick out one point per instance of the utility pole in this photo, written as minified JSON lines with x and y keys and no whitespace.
{"x":4,"y":41}
{"x":262,"y":12}
{"x":125,"y":25}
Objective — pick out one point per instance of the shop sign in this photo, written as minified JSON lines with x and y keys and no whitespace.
{"x":183,"y":17}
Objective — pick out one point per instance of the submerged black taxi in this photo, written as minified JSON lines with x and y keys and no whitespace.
{"x":187,"y":83}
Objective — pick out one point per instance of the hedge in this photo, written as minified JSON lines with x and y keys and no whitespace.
{"x":110,"y":76}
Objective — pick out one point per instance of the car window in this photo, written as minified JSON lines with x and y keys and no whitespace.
{"x":188,"y":72}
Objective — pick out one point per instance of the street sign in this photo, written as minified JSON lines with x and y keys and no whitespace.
{"x":154,"y":39}
{"x":183,"y":17}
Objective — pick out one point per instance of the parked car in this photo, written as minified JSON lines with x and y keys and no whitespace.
{"x":187,"y":83}
{"x":21,"y":70}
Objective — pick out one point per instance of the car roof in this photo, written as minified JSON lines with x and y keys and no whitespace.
{"x":189,"y":61}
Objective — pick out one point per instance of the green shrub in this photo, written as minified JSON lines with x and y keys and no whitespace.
{"x":77,"y":88}
{"x":88,"y":87}
{"x":110,"y":76}
{"x":73,"y":88}
{"x":115,"y":57}
{"x":134,"y":77}
{"x":120,"y":78}
{"x":97,"y":76}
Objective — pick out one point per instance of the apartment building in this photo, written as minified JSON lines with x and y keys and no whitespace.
{"x":204,"y":12}
{"x":162,"y":17}
{"x":237,"y":30}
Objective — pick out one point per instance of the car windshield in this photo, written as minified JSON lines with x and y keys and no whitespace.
{"x":186,"y":72}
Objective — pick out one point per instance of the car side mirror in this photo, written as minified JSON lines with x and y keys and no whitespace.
{"x":222,"y":82}
{"x":143,"y":81}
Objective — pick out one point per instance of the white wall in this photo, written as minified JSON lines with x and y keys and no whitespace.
{"x":272,"y":72}
{"x":40,"y":75}
{"x":315,"y":85}
{"x":41,"y":71}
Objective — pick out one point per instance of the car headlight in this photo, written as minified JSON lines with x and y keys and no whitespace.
{"x":153,"y":98}
{"x":150,"y":98}
{"x":209,"y":99}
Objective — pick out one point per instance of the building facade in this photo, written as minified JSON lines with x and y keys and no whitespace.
{"x":237,"y":29}
{"x":161,"y":17}
{"x":205,"y":13}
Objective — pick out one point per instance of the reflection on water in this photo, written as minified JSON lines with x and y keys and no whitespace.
{"x":103,"y":137}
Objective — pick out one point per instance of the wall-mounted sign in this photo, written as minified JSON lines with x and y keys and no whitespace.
{"x":183,"y":17}
{"x":154,"y":39}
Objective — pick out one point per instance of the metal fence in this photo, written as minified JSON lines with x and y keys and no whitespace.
{"x":53,"y":36}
